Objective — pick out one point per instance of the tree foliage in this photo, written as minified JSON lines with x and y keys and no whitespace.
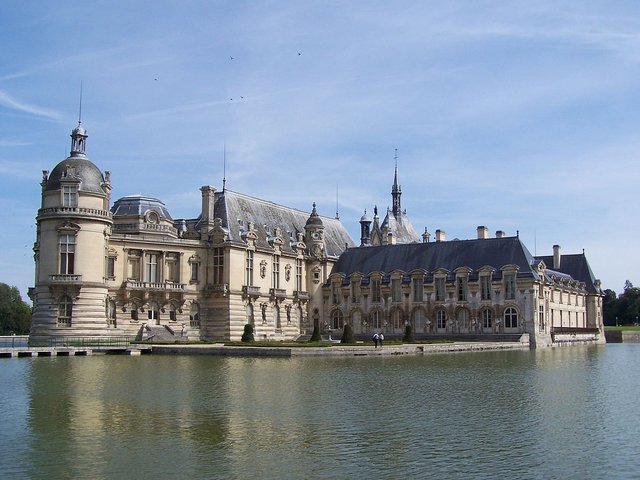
{"x":623,"y":309}
{"x":315,"y":336}
{"x":247,"y":334}
{"x":15,"y":315}
{"x":347,"y":334}
{"x":408,"y":334}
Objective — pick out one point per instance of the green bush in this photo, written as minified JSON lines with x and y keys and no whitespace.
{"x":315,"y":336}
{"x":347,"y":334}
{"x":247,"y":335}
{"x":408,"y":335}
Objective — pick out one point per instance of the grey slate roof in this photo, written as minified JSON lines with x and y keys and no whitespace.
{"x":90,"y":176}
{"x":574,"y":265}
{"x":138,"y":205}
{"x":236,"y":211}
{"x":401,"y":227}
{"x":474,"y":254}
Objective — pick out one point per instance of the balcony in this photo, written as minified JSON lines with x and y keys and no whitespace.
{"x":301,"y":296}
{"x":277,"y":293}
{"x":250,"y":291}
{"x":154,"y":286}
{"x":65,"y":279}
{"x":219,"y":289}
{"x":80,"y":211}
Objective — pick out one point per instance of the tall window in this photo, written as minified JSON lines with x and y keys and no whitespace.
{"x":134,"y":312}
{"x":396,"y":319}
{"x":418,"y":320}
{"x":375,"y":290}
{"x":248,"y":268}
{"x":67,"y":253}
{"x":65,"y":310}
{"x":335,"y":292}
{"x":194,"y":315}
{"x":194,"y":271}
{"x":509,"y":286}
{"x":396,"y":289}
{"x":418,"y":289}
{"x":541,"y":318}
{"x":337,"y":320}
{"x":153,"y":313}
{"x":461,"y":283}
{"x":218,"y":265}
{"x":276,"y":272}
{"x":511,"y":318}
{"x":487,"y":319}
{"x":355,"y":291}
{"x":69,"y":196}
{"x":151,"y":268}
{"x":374,"y":320}
{"x":441,"y":319}
{"x":298,"y":274}
{"x":462,"y":317}
{"x":172,"y":313}
{"x":485,"y":287}
{"x":111,"y":267}
{"x":173,"y":267}
{"x":440,"y":290}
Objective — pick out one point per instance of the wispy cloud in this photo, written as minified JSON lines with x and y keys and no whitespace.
{"x":11,"y":103}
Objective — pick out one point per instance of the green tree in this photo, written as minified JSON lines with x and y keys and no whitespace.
{"x":15,"y":315}
{"x":347,"y":334}
{"x":408,"y":334}
{"x":315,"y":336}
{"x":610,"y":307}
{"x":247,"y":335}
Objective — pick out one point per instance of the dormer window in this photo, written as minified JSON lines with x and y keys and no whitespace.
{"x":70,"y":196}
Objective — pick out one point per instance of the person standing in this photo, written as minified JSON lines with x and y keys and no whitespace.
{"x":375,"y":339}
{"x":380,"y":338}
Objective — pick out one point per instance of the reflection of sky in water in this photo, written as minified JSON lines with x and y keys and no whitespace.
{"x":485,"y":414}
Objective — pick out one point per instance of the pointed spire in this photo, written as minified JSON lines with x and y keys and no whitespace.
{"x":396,"y":191}
{"x":337,"y":212}
{"x":224,"y":166}
{"x":78,"y":134}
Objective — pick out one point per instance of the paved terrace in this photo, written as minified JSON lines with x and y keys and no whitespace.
{"x":335,"y":349}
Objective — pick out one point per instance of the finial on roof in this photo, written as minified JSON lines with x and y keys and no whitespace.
{"x":224,"y":166}
{"x":80,"y":108}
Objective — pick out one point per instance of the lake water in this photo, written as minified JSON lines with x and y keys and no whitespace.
{"x":560,"y":413}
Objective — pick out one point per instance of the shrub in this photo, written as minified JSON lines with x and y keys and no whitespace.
{"x":247,"y":335}
{"x":347,"y":334}
{"x":408,"y":334}
{"x":315,"y":336}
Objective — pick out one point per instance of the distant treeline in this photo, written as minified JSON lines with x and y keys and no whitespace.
{"x":15,"y":315}
{"x":623,"y":309}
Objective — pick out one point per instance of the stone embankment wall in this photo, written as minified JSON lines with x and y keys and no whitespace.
{"x":622,"y":337}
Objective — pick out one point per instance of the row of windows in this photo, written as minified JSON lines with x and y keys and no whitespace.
{"x":417,"y":289}
{"x":419,"y":320}
{"x":275,"y":271}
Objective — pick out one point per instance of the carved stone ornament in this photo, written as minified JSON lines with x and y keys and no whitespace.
{"x":263,"y":269}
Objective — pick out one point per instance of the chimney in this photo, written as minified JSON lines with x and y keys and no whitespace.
{"x":425,"y":236}
{"x":391,"y":238}
{"x":440,"y":235}
{"x":206,"y":217}
{"x":483,"y":232}
{"x":556,"y":257}
{"x":500,"y":234}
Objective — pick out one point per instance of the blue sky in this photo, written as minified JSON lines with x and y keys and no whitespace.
{"x":521,"y":115}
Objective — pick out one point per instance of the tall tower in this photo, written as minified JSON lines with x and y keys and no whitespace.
{"x":314,"y":234}
{"x":365,"y":230}
{"x":73,"y":228}
{"x":396,"y":191}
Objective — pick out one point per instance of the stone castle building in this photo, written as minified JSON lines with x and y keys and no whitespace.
{"x":129,"y":268}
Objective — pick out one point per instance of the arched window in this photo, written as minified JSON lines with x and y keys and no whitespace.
{"x":417,"y":320}
{"x":172,"y":313}
{"x":153,"y":313}
{"x":65,"y":310}
{"x":441,"y":319}
{"x":194,"y":315}
{"x":396,"y":319}
{"x":487,"y":319}
{"x":510,"y":318}
{"x":337,"y":320}
{"x":134,"y":312}
{"x":462,"y":317}
{"x":111,"y":312}
{"x":356,"y":321}
{"x":374,"y":319}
